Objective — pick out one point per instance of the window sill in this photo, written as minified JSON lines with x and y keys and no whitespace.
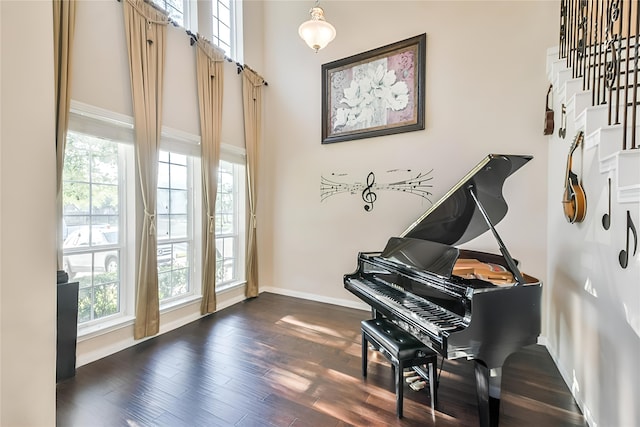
{"x":102,"y":328}
{"x":179,"y":303}
{"x":95,"y":330}
{"x":88,"y":332}
{"x":229,"y":287}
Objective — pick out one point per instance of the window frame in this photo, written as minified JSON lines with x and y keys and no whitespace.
{"x":82,"y":121}
{"x":216,"y":24}
{"x":95,"y":121}
{"x":237,"y":157}
{"x":91,"y":120}
{"x":193,"y":237}
{"x":199,"y":17}
{"x":187,"y":11}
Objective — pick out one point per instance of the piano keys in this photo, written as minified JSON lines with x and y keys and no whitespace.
{"x":461,"y":303}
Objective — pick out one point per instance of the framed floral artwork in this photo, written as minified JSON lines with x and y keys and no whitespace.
{"x":374,"y":93}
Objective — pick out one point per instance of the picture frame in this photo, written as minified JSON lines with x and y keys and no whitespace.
{"x":375,"y":93}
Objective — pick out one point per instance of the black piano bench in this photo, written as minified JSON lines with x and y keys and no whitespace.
{"x":402,"y":349}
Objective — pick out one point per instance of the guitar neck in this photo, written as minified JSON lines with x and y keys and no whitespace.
{"x":576,"y":142}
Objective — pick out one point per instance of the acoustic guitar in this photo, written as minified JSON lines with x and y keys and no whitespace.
{"x":574,"y":201}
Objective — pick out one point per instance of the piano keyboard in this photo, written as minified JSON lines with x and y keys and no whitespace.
{"x":426,"y":314}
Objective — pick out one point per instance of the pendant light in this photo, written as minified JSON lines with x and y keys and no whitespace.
{"x":317,"y":32}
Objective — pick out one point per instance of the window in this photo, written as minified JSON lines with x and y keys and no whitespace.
{"x":175,"y":225}
{"x":230,"y":224}
{"x":176,"y":9}
{"x":99,"y":216}
{"x":222,"y":19}
{"x":222,"y":26}
{"x":93,"y":207}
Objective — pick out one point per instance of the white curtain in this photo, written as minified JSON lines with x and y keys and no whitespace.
{"x":252,"y":105}
{"x":210,"y":76}
{"x":145,"y":29}
{"x":64,"y":19}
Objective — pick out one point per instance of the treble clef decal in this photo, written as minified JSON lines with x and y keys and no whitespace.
{"x":416,"y":183}
{"x":367,"y":195}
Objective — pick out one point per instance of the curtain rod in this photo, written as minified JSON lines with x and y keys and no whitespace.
{"x":193,"y":39}
{"x":161,"y":10}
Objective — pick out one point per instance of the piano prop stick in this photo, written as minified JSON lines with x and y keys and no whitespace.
{"x":460,"y":303}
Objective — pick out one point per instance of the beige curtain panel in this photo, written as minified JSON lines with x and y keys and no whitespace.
{"x":64,"y":20}
{"x":252,"y":104}
{"x":210,"y":76}
{"x":145,"y":29}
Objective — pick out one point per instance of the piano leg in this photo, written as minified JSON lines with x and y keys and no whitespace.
{"x":488,"y":390}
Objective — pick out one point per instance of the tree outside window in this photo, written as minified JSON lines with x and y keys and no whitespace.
{"x":91,"y":220}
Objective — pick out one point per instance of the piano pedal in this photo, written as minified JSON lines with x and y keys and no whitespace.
{"x":418,"y":385}
{"x":409,"y":373}
{"x":413,"y":379}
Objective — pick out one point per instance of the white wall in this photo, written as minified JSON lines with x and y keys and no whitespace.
{"x":593,"y":304}
{"x":27,"y":220}
{"x":485,"y":86}
{"x":484,"y":91}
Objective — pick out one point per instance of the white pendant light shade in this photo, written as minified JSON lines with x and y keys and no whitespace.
{"x":317,"y":32}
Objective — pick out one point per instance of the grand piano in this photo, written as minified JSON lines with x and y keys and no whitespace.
{"x":461,"y":303}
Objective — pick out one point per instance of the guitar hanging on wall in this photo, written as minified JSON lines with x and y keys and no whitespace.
{"x":548,"y":114}
{"x":574,"y":201}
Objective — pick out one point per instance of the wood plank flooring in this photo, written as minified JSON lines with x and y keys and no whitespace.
{"x":282,"y":361}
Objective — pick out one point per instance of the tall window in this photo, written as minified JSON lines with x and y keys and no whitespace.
{"x":230,"y":225}
{"x":176,"y":9}
{"x":99,"y":216}
{"x":216,"y":18}
{"x":92,"y":217}
{"x":223,"y":15}
{"x":175,"y":230}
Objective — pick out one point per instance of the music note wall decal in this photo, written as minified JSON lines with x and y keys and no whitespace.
{"x":606,"y":218}
{"x":623,"y":257}
{"x":562,"y":131}
{"x":417,"y":185}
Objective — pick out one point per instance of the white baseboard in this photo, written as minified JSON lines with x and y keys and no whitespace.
{"x":318,"y":298}
{"x":568,"y":380}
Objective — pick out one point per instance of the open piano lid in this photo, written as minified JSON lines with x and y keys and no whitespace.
{"x":455,"y":219}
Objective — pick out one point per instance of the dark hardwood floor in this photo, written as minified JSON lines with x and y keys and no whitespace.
{"x":282,"y":361}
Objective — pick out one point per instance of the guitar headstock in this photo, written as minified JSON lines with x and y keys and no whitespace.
{"x":577,"y":140}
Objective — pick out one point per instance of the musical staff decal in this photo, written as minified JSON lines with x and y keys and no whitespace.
{"x":417,"y":184}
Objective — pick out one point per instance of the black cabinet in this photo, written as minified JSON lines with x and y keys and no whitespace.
{"x":67,"y":330}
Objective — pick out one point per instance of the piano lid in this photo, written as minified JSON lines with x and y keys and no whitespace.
{"x":455,"y":218}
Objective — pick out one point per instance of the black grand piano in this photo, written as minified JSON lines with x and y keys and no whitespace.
{"x":461,"y":303}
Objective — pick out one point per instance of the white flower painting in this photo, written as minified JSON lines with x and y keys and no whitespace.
{"x":373,"y":90}
{"x":378,"y":92}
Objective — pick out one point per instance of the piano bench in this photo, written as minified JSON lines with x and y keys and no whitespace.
{"x":402,"y":349}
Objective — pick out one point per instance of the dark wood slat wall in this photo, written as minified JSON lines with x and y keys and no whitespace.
{"x":282,"y":361}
